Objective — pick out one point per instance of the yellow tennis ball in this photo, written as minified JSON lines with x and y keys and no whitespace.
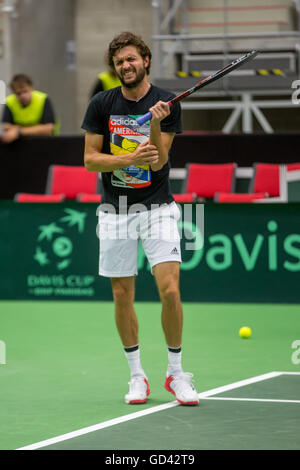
{"x":245,"y":332}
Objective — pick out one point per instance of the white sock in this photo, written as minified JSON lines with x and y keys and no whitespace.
{"x":174,"y":357}
{"x":133,"y":357}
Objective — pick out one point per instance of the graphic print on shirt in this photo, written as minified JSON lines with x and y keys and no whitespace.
{"x":125,"y":136}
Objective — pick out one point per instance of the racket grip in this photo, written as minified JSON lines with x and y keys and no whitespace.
{"x":141,"y":120}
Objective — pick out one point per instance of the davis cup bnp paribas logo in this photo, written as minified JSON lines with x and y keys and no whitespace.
{"x":54,"y":253}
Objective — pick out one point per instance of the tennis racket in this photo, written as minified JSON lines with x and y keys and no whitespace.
{"x":206,"y":81}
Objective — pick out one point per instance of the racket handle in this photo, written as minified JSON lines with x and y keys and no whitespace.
{"x":141,"y":120}
{"x":148,"y":116}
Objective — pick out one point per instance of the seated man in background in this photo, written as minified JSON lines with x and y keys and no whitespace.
{"x":27,"y":111}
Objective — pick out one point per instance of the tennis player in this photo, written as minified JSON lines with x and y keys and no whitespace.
{"x":137,"y":206}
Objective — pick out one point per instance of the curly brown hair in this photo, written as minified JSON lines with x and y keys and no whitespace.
{"x":128,"y":39}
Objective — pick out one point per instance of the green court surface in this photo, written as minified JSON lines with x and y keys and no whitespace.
{"x":65,"y":370}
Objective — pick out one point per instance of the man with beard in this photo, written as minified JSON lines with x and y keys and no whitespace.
{"x":137,"y":202}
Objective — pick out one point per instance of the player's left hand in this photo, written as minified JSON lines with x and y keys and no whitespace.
{"x":159,"y":111}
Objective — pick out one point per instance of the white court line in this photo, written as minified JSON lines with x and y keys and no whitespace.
{"x":267,"y":400}
{"x":241,"y":383}
{"x":290,"y":373}
{"x":131,"y":416}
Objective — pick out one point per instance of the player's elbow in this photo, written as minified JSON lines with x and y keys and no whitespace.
{"x":88,"y":162}
{"x":156,"y":167}
{"x":160,"y":164}
{"x":92,"y":163}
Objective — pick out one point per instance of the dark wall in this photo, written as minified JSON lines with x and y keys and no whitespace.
{"x":25,"y":163}
{"x":244,"y":149}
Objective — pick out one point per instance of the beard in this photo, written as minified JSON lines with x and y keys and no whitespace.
{"x":138,"y":79}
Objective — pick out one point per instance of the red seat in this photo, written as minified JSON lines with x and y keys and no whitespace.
{"x":71,"y":181}
{"x":239,"y":197}
{"x":207,"y":179}
{"x":26,"y":197}
{"x":185,"y":197}
{"x":89,"y":197}
{"x":266,"y":179}
{"x":68,"y":181}
{"x":293,"y":166}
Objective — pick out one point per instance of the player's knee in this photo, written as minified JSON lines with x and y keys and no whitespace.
{"x":169,"y":292}
{"x":122,"y":292}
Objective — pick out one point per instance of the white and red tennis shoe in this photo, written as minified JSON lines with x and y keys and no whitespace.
{"x":181,"y":386}
{"x":138,"y":391}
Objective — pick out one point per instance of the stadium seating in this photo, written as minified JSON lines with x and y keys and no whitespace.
{"x":84,"y":197}
{"x":292,"y":182}
{"x":26,"y":197}
{"x":293,"y":167}
{"x":68,"y":181}
{"x":236,"y":197}
{"x":205,"y":180}
{"x":188,"y":197}
{"x":266,"y":179}
{"x":264,"y":185}
{"x":71,"y":181}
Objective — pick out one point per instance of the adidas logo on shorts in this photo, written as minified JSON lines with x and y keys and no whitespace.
{"x":174,"y":251}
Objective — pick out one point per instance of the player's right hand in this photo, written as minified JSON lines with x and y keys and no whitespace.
{"x":145,"y":154}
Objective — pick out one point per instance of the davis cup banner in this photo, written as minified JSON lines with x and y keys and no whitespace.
{"x":230,"y":253}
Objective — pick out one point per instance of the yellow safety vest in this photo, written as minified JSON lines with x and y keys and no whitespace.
{"x":108,"y":80}
{"x":30,"y":115}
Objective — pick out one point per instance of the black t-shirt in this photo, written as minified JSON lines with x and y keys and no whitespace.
{"x":98,"y":86}
{"x":113,"y":116}
{"x":48,"y":116}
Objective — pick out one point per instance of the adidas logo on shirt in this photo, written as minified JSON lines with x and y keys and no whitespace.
{"x":174,"y":251}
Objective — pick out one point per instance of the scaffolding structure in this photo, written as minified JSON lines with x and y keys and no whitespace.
{"x":247,"y":92}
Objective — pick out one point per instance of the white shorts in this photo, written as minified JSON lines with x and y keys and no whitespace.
{"x":120,"y":235}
